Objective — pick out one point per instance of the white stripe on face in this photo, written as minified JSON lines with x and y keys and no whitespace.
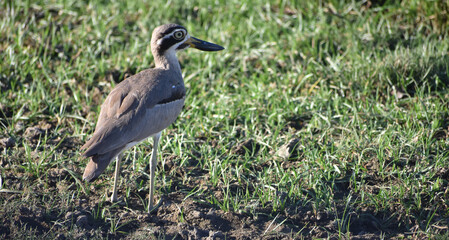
{"x":159,"y":42}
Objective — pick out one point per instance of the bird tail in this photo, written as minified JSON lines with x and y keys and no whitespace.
{"x":97,"y":164}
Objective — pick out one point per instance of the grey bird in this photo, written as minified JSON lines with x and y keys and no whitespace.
{"x":142,"y":106}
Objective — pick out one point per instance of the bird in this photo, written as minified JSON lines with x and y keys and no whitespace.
{"x":142,"y":106}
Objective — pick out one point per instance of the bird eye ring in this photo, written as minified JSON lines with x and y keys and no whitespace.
{"x":178,"y":35}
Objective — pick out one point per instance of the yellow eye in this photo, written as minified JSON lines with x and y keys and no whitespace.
{"x":178,"y":35}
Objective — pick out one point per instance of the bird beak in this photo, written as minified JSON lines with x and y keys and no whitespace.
{"x":203,"y":45}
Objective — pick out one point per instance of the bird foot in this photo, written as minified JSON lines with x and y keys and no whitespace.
{"x":152,"y":209}
{"x":114,"y":198}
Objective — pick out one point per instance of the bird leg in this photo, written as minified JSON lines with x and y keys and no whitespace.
{"x":153,"y":163}
{"x":116,"y":176}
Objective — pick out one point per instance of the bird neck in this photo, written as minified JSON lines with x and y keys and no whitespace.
{"x":168,"y":61}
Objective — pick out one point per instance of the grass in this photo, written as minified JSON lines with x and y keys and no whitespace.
{"x":359,"y":87}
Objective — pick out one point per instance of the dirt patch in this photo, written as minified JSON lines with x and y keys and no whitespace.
{"x":179,"y":219}
{"x":249,"y":146}
{"x":55,"y":209}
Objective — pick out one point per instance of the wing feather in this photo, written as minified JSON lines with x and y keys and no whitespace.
{"x":124,"y":113}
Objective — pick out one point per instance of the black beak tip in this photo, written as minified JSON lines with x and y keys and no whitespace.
{"x":206,"y":46}
{"x":210,"y":47}
{"x":216,"y":48}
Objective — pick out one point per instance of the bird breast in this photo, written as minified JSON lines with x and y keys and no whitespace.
{"x":161,"y":116}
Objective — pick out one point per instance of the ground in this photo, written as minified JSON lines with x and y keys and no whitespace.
{"x":319,"y":120}
{"x":59,"y":205}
